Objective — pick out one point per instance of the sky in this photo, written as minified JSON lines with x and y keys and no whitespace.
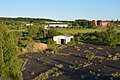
{"x":62,"y":9}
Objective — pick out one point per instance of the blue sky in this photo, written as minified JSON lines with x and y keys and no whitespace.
{"x":61,"y":9}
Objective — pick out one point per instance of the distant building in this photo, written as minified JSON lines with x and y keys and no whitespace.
{"x":29,"y":24}
{"x":62,"y":39}
{"x":103,"y":23}
{"x":55,"y":24}
{"x":118,"y":24}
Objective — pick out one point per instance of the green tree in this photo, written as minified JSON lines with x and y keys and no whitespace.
{"x":9,"y":63}
{"x":33,"y":30}
{"x":52,"y":32}
{"x":110,"y":36}
{"x":36,"y":30}
{"x":93,"y":24}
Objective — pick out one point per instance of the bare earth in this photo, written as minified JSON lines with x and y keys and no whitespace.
{"x":76,"y":65}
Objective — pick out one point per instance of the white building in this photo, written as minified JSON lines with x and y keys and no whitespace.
{"x":55,"y":24}
{"x":62,"y":39}
{"x":29,"y":24}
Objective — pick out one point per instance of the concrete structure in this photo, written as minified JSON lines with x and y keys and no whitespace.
{"x":55,"y":24}
{"x":62,"y":39}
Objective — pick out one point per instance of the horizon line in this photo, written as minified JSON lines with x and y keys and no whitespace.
{"x":57,"y":19}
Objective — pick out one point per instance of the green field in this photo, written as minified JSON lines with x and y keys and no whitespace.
{"x":82,"y":30}
{"x":75,"y":31}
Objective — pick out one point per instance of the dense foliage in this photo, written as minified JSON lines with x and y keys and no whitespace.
{"x":52,"y":32}
{"x":109,"y":37}
{"x":9,"y":63}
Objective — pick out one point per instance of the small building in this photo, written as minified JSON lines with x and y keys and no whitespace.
{"x":103,"y":23}
{"x":29,"y":24}
{"x":62,"y":39}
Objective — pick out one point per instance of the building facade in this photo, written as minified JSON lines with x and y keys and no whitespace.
{"x":55,"y":24}
{"x":62,"y":39}
{"x":103,"y":23}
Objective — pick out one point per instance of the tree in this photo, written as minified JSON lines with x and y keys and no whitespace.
{"x":36,"y":30}
{"x":51,"y":33}
{"x":92,"y":24}
{"x":33,"y":30}
{"x":51,"y":42}
{"x":82,"y":22}
{"x":9,"y":63}
{"x":110,"y":36}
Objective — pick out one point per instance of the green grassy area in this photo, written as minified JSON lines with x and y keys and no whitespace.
{"x":23,"y":30}
{"x":75,"y":31}
{"x":117,"y":29}
{"x":82,"y":30}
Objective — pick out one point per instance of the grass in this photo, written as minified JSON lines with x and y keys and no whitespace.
{"x":22,"y":30}
{"x":82,"y":30}
{"x":75,"y":31}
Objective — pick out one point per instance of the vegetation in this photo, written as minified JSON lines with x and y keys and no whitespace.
{"x":80,"y":30}
{"x":15,"y":34}
{"x":72,"y":42}
{"x":110,"y":37}
{"x":52,"y":32}
{"x":36,"y":30}
{"x":114,"y":57}
{"x":10,"y":65}
{"x":90,"y":56}
{"x":51,"y":42}
{"x":54,"y":71}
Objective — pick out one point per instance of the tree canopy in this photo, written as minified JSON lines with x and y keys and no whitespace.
{"x":9,"y":61}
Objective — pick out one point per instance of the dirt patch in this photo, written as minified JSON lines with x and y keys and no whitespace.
{"x":76,"y":65}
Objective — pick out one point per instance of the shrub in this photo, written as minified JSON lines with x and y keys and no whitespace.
{"x":72,"y":42}
{"x":110,"y":36}
{"x":52,"y":32}
{"x":51,"y":42}
{"x":99,"y":48}
{"x":93,"y":37}
{"x":77,"y":39}
{"x":29,"y":39}
{"x":90,"y":56}
{"x":54,"y":50}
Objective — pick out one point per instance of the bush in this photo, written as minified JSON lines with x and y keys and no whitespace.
{"x":52,"y":32}
{"x":51,"y":42}
{"x":90,"y":56}
{"x":29,"y":39}
{"x":110,"y":37}
{"x":93,"y":37}
{"x":72,"y":42}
